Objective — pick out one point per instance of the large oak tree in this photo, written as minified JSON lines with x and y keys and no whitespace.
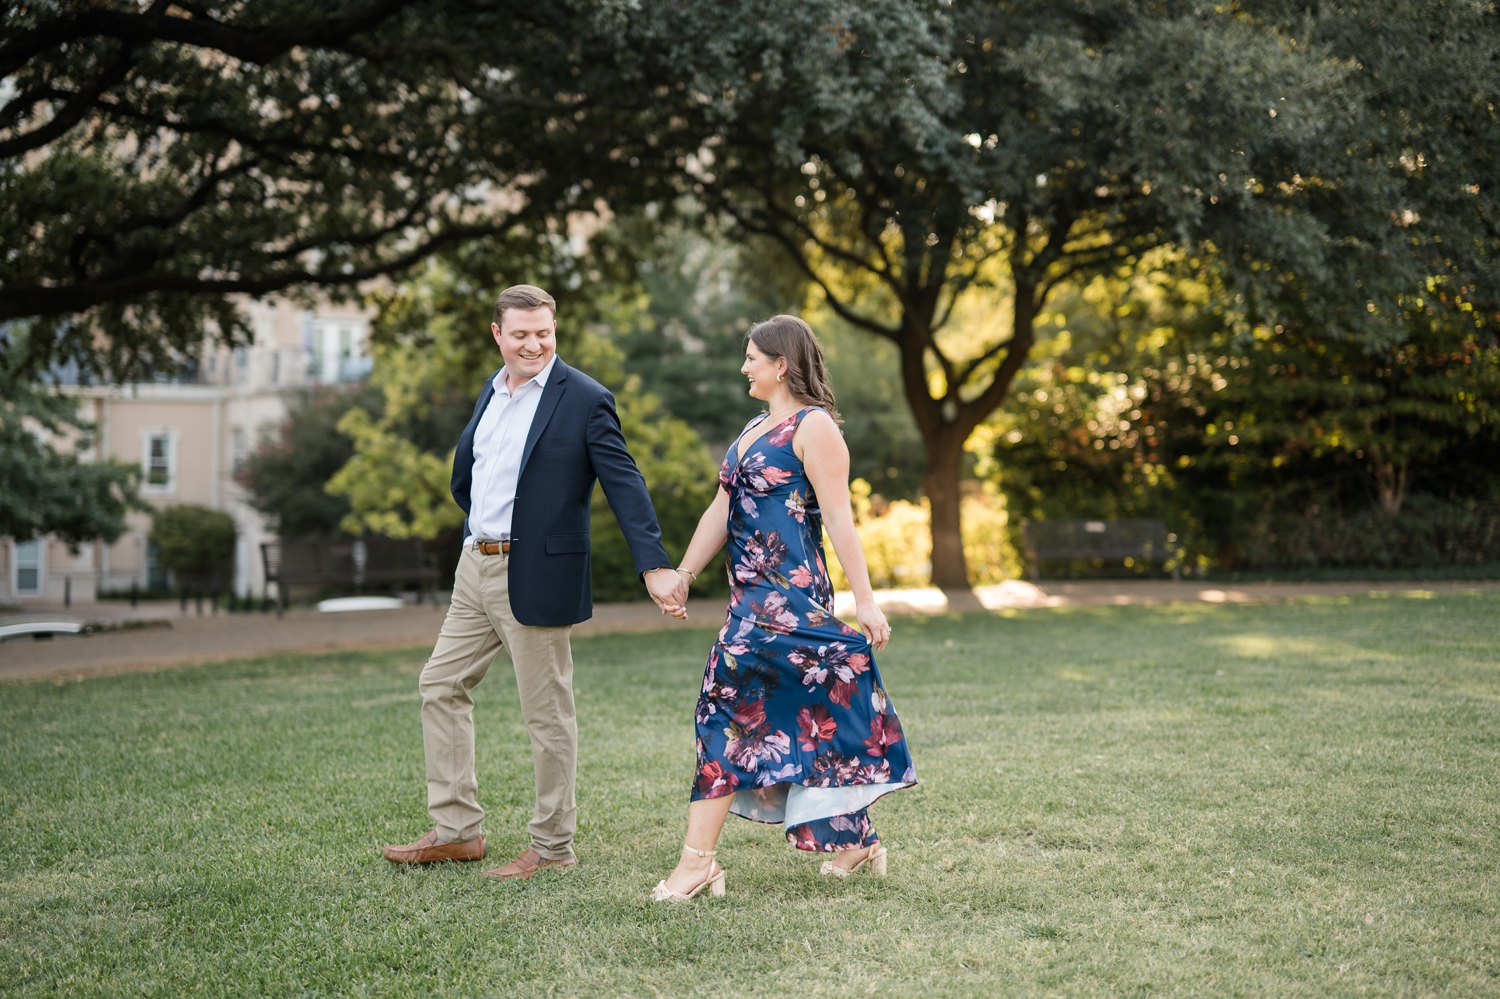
{"x":1328,"y":159}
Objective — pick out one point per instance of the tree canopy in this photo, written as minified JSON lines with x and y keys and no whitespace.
{"x":1277,"y":450}
{"x":432,"y":356}
{"x":157,"y":158}
{"x":50,"y":489}
{"x":940,"y":171}
{"x":914,"y":158}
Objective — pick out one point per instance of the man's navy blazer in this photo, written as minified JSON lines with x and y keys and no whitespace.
{"x":575,"y":438}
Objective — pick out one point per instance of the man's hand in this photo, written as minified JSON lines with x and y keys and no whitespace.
{"x":669,"y":589}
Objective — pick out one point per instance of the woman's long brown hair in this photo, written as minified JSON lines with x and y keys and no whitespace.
{"x":806,"y":374}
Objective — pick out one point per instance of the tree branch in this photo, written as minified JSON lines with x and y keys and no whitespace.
{"x":74,"y":298}
{"x":72,"y":112}
{"x":961,"y":285}
{"x":272,"y":148}
{"x":257,"y":45}
{"x":795,"y":252}
{"x":984,"y":358}
{"x":853,"y":259}
{"x":1019,"y":346}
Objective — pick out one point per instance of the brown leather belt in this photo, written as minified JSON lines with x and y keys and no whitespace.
{"x":492,"y":547}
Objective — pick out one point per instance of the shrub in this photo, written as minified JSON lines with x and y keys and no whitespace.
{"x":1428,"y":532}
{"x":195,"y":544}
{"x":898,"y":542}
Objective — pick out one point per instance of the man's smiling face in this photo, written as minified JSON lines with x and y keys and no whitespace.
{"x":528,"y":341}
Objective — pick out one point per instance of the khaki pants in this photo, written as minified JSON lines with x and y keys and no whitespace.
{"x":478,"y":625}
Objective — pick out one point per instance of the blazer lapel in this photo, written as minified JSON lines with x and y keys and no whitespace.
{"x":556,"y":385}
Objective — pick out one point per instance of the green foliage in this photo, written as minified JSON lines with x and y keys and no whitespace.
{"x":285,"y":475}
{"x":682,"y":477}
{"x":684,"y":338}
{"x":392,"y":486}
{"x":44,"y":490}
{"x":940,"y":170}
{"x":885,"y":448}
{"x":427,"y":380}
{"x":195,"y":544}
{"x":432,"y":352}
{"x":155,"y":162}
{"x":1291,"y":800}
{"x":1262,"y":446}
{"x":897,"y":540}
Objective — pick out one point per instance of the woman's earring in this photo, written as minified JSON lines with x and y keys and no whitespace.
{"x":778,"y":376}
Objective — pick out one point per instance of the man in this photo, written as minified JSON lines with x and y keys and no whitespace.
{"x":524,"y":471}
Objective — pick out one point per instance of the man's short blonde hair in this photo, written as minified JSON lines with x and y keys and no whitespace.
{"x":523,"y":296}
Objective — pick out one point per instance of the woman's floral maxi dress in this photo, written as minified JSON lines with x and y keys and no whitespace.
{"x":793,"y":720}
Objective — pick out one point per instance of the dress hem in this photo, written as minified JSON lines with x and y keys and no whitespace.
{"x":790,"y":804}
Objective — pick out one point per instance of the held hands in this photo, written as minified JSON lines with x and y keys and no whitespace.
{"x":873,"y":623}
{"x":669,"y":588}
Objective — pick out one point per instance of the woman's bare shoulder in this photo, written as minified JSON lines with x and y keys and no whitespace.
{"x":818,"y":431}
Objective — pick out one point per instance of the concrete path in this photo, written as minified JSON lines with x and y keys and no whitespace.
{"x":157,"y":635}
{"x":1018,"y":594}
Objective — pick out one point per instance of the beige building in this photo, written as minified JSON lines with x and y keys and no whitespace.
{"x":189,"y":436}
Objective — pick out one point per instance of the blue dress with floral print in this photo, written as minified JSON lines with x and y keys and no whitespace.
{"x":793,"y":719}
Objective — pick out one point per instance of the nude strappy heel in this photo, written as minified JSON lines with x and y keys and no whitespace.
{"x":714,"y":882}
{"x":874,"y":860}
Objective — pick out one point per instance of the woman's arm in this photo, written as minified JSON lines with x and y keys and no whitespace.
{"x":712,"y":532}
{"x":826,"y":457}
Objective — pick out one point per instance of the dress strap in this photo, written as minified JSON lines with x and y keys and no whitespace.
{"x":802,"y":413}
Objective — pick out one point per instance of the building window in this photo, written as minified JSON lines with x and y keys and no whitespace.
{"x":240,"y":449}
{"x":337,"y":351}
{"x":160,"y":463}
{"x":28,"y":563}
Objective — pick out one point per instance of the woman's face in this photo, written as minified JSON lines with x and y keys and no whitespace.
{"x":762,"y":370}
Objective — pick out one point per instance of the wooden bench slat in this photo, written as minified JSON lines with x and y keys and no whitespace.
{"x":345,"y":562}
{"x":1069,"y":540}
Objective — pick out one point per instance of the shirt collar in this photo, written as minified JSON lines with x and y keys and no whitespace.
{"x":540,"y":378}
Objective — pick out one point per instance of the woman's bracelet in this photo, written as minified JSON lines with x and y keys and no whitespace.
{"x":693,"y":576}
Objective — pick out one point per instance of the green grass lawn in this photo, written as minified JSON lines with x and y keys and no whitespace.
{"x":1292,"y":800}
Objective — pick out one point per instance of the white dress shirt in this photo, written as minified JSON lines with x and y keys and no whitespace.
{"x":499,"y":441}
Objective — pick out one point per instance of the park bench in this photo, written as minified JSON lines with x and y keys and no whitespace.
{"x":38,"y":627}
{"x":354,"y":563}
{"x":1089,"y":540}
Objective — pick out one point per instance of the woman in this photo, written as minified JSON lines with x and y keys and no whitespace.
{"x":793,"y":723}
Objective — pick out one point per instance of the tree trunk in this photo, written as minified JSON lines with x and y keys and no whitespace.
{"x":946,"y":424}
{"x":944,"y":462}
{"x":1390,"y":481}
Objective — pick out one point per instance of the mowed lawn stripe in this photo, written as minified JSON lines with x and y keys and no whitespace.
{"x":1294,"y":799}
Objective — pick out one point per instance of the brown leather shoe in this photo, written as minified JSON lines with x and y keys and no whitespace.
{"x":428,"y":850}
{"x":528,"y":864}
